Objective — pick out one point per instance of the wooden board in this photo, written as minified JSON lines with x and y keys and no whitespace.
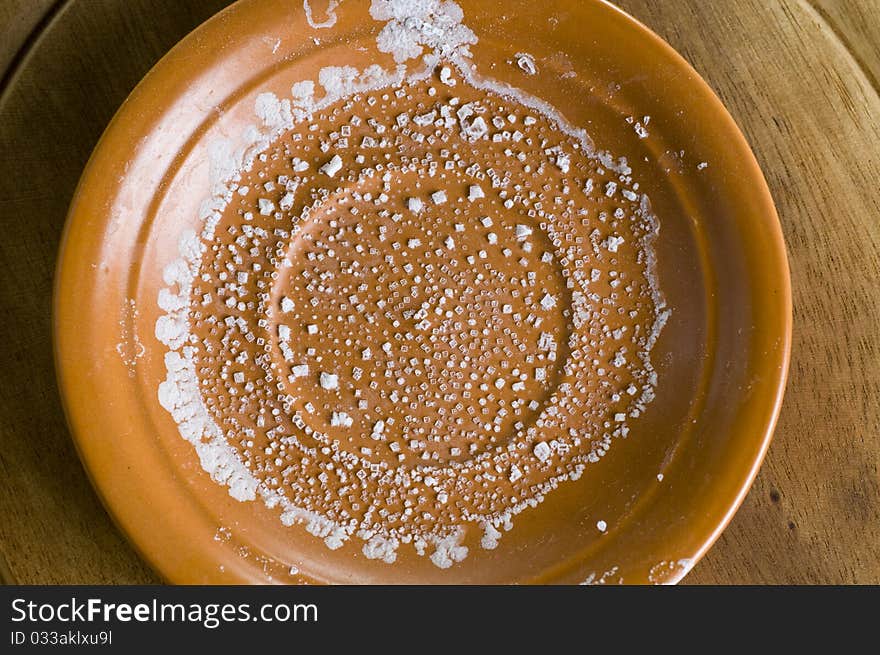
{"x":801,"y":78}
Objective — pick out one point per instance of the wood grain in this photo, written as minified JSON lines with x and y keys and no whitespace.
{"x":18,"y":20}
{"x":799,"y":77}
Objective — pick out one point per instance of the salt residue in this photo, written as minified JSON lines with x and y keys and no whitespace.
{"x":380,"y":547}
{"x":179,"y":395}
{"x":411,"y":26}
{"x":449,"y":550}
{"x":130,"y":348}
{"x":491,"y":535}
{"x":331,"y":14}
{"x":603,"y":578}
{"x":667,"y":572}
{"x":526,"y":63}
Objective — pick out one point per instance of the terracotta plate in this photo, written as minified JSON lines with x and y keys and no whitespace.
{"x":647,"y":510}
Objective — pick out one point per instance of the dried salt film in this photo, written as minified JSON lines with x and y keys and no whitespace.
{"x":421,"y":312}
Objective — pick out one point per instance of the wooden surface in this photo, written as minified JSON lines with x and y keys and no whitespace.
{"x":800,"y":77}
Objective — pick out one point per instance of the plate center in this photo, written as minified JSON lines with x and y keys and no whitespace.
{"x":408,"y":330}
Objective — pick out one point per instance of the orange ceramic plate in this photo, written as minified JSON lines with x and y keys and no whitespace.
{"x":662,"y":496}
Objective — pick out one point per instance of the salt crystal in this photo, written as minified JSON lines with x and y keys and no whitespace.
{"x":341,"y":419}
{"x":332,"y":167}
{"x":526,"y":62}
{"x":563,"y":162}
{"x":542,"y":451}
{"x":548,"y":301}
{"x":446,"y":76}
{"x":286,"y":203}
{"x":266,"y":206}
{"x":475,"y":192}
{"x":522,"y":231}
